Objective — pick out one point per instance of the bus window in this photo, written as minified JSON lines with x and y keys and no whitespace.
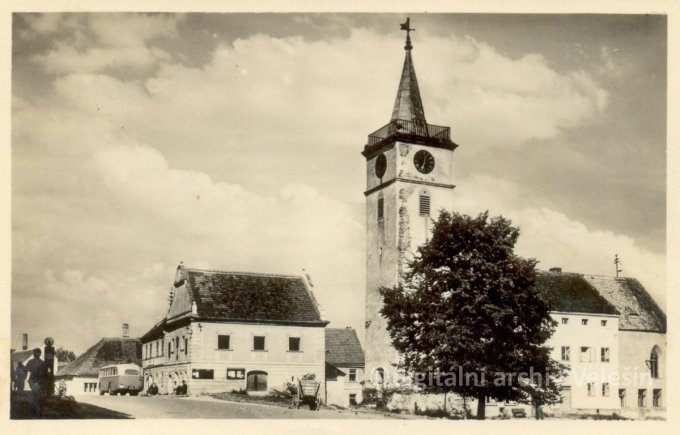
{"x":131,"y":372}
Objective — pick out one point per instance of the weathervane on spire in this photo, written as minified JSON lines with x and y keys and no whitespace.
{"x":407,"y":26}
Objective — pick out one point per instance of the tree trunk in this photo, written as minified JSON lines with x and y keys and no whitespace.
{"x":481,"y":406}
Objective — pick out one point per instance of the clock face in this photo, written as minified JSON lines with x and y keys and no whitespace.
{"x":380,"y":165}
{"x":424,"y":162}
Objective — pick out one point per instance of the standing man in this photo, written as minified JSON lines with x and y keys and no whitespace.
{"x":19,"y":377}
{"x":49,"y":367}
{"x":37,"y":370}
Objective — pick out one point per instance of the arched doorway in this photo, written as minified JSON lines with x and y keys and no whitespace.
{"x":256,"y":381}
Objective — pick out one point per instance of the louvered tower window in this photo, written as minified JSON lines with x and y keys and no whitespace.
{"x":424,"y":203}
{"x":381,"y":207}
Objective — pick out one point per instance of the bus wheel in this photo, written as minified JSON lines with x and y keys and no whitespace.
{"x":134,"y":393}
{"x":113,"y":393}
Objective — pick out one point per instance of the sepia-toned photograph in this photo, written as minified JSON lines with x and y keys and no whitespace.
{"x":385,"y":216}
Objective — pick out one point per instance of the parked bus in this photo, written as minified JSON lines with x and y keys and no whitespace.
{"x":120,"y":379}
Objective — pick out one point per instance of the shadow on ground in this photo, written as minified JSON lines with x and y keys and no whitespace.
{"x":55,"y":408}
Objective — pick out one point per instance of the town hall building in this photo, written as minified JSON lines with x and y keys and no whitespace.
{"x":234,"y":331}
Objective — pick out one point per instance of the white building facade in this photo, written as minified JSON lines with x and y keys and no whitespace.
{"x":228,"y":331}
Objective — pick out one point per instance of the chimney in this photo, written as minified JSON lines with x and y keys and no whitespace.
{"x":556,"y":269}
{"x":126,"y":330}
{"x":24,"y":341}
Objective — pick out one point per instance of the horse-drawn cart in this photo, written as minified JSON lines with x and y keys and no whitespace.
{"x":308,"y":393}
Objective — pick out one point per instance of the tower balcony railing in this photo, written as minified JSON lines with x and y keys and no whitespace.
{"x":401,"y":129}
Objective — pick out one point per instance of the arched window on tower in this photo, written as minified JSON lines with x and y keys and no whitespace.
{"x":424,"y":203}
{"x":381,"y":207}
{"x":654,"y":363}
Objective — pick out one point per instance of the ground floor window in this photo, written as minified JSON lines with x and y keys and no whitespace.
{"x":257,"y":381}
{"x":90,"y":387}
{"x":202,"y":374}
{"x":641,"y":398}
{"x":352,"y":399}
{"x":656,"y":398}
{"x":622,"y":397}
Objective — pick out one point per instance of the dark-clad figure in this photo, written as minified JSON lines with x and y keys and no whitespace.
{"x":38,"y":371}
{"x":20,"y":377}
{"x":184,"y":388}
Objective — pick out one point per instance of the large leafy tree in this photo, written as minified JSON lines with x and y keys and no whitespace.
{"x":467,"y":318}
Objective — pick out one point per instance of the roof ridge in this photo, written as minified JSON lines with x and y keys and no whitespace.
{"x":587,"y":274}
{"x":78,"y":362}
{"x":608,"y":276}
{"x":226,"y":272}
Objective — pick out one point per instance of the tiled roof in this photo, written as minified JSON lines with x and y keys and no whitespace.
{"x":343,"y":348}
{"x":154,"y":333}
{"x":332,"y":372}
{"x":106,"y":352}
{"x":238,"y":296}
{"x":638,"y":310}
{"x":570,"y":292}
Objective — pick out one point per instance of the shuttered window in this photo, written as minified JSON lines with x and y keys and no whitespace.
{"x":381,"y":208}
{"x":424,"y":204}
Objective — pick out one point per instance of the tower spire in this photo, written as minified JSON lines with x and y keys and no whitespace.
{"x":408,"y":105}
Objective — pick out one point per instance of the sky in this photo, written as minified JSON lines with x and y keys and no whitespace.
{"x":232,"y":142}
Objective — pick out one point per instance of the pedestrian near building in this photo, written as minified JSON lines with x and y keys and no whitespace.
{"x":37,"y":370}
{"x":20,"y":375}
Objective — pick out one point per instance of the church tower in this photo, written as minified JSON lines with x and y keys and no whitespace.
{"x":409,"y":178}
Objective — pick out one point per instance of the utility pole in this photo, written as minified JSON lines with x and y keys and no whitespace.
{"x":617,"y":262}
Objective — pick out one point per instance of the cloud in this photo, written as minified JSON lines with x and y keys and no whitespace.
{"x":559,"y":241}
{"x":611,"y":67}
{"x":132,"y":161}
{"x":518,"y":99}
{"x":104,"y":42}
